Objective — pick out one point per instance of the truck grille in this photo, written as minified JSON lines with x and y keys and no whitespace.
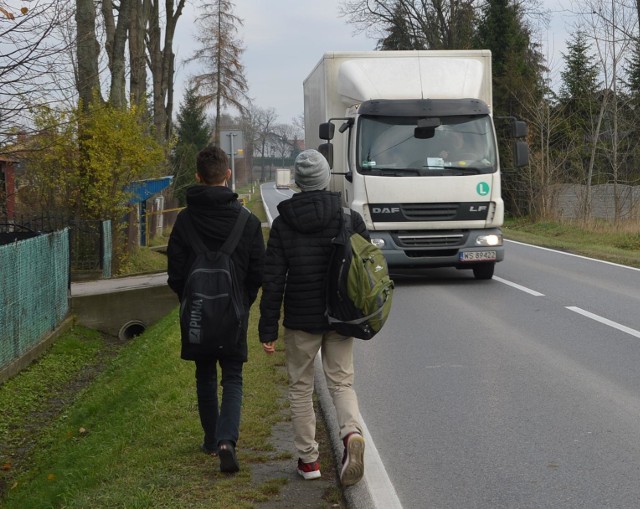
{"x":446,"y":238}
{"x":430,"y":211}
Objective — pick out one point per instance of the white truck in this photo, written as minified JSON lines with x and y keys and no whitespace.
{"x":416,"y":152}
{"x":283,"y":177}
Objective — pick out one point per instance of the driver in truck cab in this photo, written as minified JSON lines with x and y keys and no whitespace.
{"x":453,"y":146}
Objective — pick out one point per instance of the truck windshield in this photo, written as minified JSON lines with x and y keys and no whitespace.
{"x":460,"y":146}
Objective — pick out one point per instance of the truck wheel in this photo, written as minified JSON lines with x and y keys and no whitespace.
{"x":483,"y":270}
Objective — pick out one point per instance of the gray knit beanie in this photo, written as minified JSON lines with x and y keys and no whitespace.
{"x":312,"y":171}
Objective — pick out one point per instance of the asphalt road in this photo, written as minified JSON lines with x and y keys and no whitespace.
{"x":271,"y":196}
{"x":518,"y":392}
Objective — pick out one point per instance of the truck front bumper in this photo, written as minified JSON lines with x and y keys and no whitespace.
{"x":456,"y":248}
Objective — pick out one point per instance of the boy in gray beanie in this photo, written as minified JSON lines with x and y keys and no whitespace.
{"x":312,"y":171}
{"x":295,"y":269}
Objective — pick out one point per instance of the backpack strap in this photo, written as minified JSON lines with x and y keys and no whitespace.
{"x":232,"y":240}
{"x":347,"y":219}
{"x":230,"y":244}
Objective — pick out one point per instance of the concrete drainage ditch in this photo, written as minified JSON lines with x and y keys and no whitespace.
{"x":123,"y":308}
{"x":131,"y":329}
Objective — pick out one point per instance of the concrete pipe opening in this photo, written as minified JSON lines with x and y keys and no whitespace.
{"x":131,"y":329}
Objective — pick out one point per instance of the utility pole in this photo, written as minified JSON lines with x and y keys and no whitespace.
{"x":233,"y":160}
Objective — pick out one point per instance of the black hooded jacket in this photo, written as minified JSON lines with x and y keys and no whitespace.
{"x":213,"y":211}
{"x":296,"y":262}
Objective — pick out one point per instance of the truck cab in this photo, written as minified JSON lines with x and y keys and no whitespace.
{"x":418,"y":159}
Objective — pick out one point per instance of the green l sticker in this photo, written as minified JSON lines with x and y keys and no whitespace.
{"x":482,"y":189}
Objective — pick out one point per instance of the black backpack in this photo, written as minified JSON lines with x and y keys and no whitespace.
{"x":358,"y":287}
{"x":212,"y":316}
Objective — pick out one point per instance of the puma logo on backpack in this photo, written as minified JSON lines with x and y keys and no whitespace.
{"x":358,"y":287}
{"x":212,"y":316}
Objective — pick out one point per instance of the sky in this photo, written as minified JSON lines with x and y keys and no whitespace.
{"x":285,"y":39}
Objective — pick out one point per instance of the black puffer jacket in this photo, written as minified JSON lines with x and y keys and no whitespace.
{"x":296,"y":262}
{"x":213,"y":211}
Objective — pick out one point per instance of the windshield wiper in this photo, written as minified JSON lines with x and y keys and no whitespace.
{"x":398,"y":172}
{"x":464,"y":170}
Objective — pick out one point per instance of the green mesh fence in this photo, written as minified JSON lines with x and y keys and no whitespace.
{"x":34,"y":281}
{"x":107,"y":249}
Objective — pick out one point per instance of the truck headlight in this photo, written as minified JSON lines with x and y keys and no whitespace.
{"x":492,"y":239}
{"x":379,"y":243}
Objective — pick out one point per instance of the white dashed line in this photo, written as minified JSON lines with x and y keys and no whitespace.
{"x":605,"y":321}
{"x":519,"y":287}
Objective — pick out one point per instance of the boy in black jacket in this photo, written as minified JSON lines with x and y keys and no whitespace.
{"x":213,"y":209}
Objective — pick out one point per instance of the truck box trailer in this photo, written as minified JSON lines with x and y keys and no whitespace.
{"x":283,"y":177}
{"x":415,"y":153}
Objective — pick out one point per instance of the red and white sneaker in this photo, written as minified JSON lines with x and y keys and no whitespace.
{"x":353,"y":459}
{"x":309,"y":471}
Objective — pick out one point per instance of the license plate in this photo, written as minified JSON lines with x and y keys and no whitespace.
{"x":475,"y":256}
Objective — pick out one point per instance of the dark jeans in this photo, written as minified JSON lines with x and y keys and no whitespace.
{"x":219,"y":423}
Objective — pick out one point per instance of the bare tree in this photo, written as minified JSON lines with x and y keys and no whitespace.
{"x":135,"y":24}
{"x":138,"y":18}
{"x":223,"y":82}
{"x":298,"y":124}
{"x":116,"y":40}
{"x":162,"y":64}
{"x":29,"y":52}
{"x":262,"y":122}
{"x":88,"y":51}
{"x":425,"y":24}
{"x":283,"y":139}
{"x":549,"y":153}
{"x":613,"y":26}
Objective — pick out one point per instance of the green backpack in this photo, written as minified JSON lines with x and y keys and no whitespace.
{"x":358,"y":287}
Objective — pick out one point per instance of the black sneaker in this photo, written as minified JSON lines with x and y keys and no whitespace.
{"x":228,"y":460}
{"x":353,"y":459}
{"x":213,"y":454}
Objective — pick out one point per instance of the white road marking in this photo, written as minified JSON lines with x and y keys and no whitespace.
{"x":519,"y":287}
{"x":574,"y":255}
{"x":605,"y":321}
{"x":266,"y":207}
{"x":375,"y":475}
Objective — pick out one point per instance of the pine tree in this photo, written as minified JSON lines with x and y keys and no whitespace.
{"x":579,"y":77}
{"x":630,"y":111}
{"x":223,"y":82}
{"x":632,"y":69}
{"x":193,"y":134}
{"x":517,"y":63}
{"x":518,"y":86}
{"x":399,"y":35}
{"x":580,"y":101}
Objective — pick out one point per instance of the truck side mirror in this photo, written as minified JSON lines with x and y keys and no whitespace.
{"x":519,"y":129}
{"x":520,"y":153}
{"x":326,"y":149}
{"x":326,"y":131}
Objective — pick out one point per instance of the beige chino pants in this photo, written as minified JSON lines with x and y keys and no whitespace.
{"x":337,"y":363}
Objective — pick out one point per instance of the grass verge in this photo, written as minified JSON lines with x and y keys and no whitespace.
{"x":98,"y":423}
{"x":600,"y":241}
{"x":132,"y":438}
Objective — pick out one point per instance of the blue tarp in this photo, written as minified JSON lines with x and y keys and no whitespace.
{"x":142,"y":190}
